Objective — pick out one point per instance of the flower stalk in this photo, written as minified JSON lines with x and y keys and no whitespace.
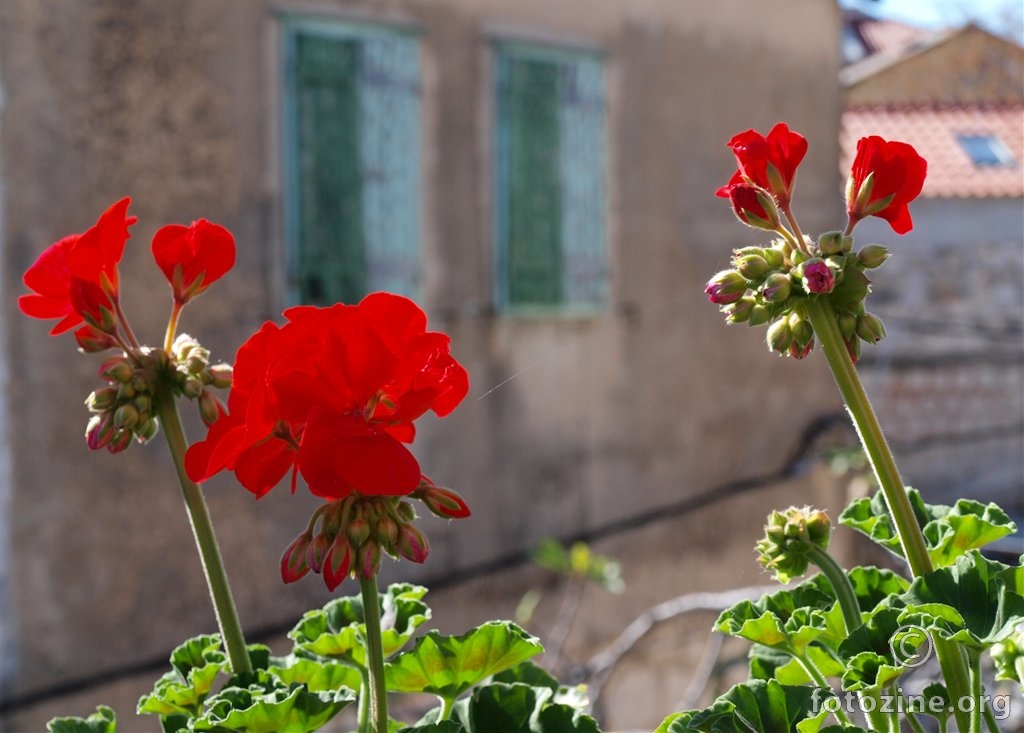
{"x":206,"y":540}
{"x":883,"y":463}
{"x":374,"y":655}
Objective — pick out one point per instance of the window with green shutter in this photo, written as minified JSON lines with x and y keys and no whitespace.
{"x":352,"y":147}
{"x":549,"y":179}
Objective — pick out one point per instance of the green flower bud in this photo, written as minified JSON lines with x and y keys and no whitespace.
{"x":752,"y":267}
{"x":220,"y":375}
{"x":142,"y":403}
{"x":872,"y":256}
{"x":801,"y":328}
{"x":117,"y":369}
{"x":405,"y":511}
{"x":759,"y":315}
{"x":853,"y":349}
{"x":210,"y":408}
{"x":789,"y":537}
{"x":101,"y":399}
{"x":386,"y":531}
{"x":126,"y":417}
{"x":779,"y":336}
{"x":774,"y":257}
{"x":776,"y":287}
{"x":847,"y":324}
{"x":125,"y":392}
{"x":148,"y":429}
{"x":358,"y":530}
{"x":739,"y":311}
{"x":870,"y":328}
{"x":192,"y":388}
{"x":831,"y":243}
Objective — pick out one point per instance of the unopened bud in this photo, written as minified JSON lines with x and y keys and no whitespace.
{"x":338,"y":562}
{"x":759,"y":315}
{"x":126,"y":417}
{"x":386,"y":531}
{"x":117,"y":369}
{"x":870,"y":328}
{"x":316,"y":551}
{"x":294,"y":564}
{"x":101,"y":399}
{"x":120,"y":441}
{"x":445,"y":503}
{"x":817,"y":276}
{"x":739,"y":312}
{"x":832,"y":243}
{"x":752,"y":267}
{"x":91,"y":340}
{"x":801,"y":328}
{"x":853,"y":349}
{"x":192,"y":388}
{"x":412,"y":544}
{"x":789,"y":537}
{"x":210,"y":408}
{"x":368,"y":559}
{"x":148,"y":428}
{"x":726,"y":287}
{"x":774,"y":257}
{"x":847,"y":324}
{"x":779,"y":335}
{"x":796,"y":351}
{"x":776,"y":287}
{"x":406,"y":512}
{"x":99,"y":431}
{"x":872,"y":256}
{"x":220,"y":375}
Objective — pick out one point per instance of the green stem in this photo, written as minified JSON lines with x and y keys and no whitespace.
{"x":877,"y":720}
{"x":363,"y":724}
{"x":990,"y":719}
{"x":974,"y":667}
{"x":447,"y":703}
{"x":374,"y":655}
{"x":823,"y":319}
{"x":819,"y":679}
{"x":206,"y":541}
{"x":172,"y":326}
{"x":840,"y":586}
{"x":915,"y":724}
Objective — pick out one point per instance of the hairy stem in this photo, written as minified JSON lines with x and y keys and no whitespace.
{"x":374,"y":655}
{"x":206,"y":540}
{"x":823,"y":319}
{"x":840,"y":586}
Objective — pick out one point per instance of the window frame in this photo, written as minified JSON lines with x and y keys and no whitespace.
{"x":292,"y":26}
{"x":549,"y":51}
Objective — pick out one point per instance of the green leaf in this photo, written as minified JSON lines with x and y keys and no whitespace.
{"x":237,"y":710}
{"x":869,"y":653}
{"x":757,"y":706}
{"x":336,"y":631}
{"x":102,"y":721}
{"x":530,"y":674}
{"x":677,"y":723}
{"x":519,"y":708}
{"x":1008,"y":657}
{"x":447,"y":666}
{"x":949,"y":531}
{"x":445,"y":726}
{"x":788,"y":620}
{"x":315,"y":675}
{"x":969,"y":602}
{"x":195,"y":665}
{"x":874,"y":586}
{"x":842,"y":729}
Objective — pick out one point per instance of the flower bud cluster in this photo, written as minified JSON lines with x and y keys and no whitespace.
{"x":789,"y":537}
{"x":124,"y":408}
{"x":768,"y":285}
{"x":194,"y":377}
{"x":348,"y":537}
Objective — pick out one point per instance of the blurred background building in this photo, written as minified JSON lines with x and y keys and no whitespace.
{"x":540,"y":176}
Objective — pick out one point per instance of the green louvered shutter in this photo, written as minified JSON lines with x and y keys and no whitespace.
{"x":549,"y":178}
{"x":331,"y":258}
{"x":356,"y":125}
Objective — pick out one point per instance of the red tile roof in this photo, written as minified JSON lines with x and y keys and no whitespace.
{"x":933,"y":132}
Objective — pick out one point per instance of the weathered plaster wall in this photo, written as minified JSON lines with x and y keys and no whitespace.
{"x":596,"y":419}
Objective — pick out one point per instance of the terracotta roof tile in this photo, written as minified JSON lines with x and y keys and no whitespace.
{"x":934,"y":131}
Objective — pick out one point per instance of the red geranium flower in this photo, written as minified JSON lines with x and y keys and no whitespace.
{"x":192,"y":258}
{"x":769,"y":162}
{"x":332,"y":395}
{"x":886,"y":176}
{"x":77,"y":275}
{"x":753,"y":206}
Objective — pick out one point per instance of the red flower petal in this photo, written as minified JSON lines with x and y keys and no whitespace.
{"x":192,"y":258}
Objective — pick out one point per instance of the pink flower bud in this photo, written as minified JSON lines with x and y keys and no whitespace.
{"x":338,"y":562}
{"x":294,"y":564}
{"x":818,"y":277}
{"x":316,"y":551}
{"x":412,"y":544}
{"x":726,"y":287}
{"x":368,"y":559}
{"x":445,"y":503}
{"x":99,"y":431}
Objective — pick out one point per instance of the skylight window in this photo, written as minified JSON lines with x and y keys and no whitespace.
{"x":986,"y":150}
